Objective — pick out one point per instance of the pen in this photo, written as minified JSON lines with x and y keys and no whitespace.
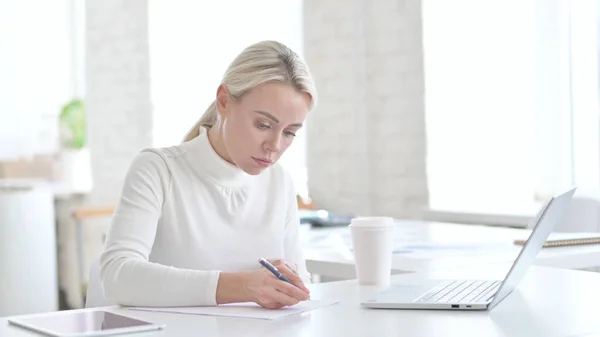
{"x":274,"y":270}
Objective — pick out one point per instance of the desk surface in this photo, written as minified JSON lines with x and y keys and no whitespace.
{"x":425,"y":246}
{"x":549,"y":303}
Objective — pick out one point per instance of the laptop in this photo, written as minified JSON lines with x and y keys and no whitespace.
{"x":475,"y":294}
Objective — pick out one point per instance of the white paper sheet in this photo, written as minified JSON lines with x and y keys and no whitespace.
{"x":243,"y":310}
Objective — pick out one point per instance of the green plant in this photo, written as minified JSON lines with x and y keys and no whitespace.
{"x":72,"y":125}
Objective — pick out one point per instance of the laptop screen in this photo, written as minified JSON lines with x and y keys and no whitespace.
{"x":545,"y":222}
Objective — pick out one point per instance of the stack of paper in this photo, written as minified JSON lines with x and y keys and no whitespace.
{"x":244,"y":310}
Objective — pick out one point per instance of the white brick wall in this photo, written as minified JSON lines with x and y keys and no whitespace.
{"x":366,"y":139}
{"x":117,"y":90}
{"x":119,"y":121}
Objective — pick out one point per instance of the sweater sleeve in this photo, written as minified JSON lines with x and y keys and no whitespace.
{"x":127,"y":276}
{"x":293,"y":245}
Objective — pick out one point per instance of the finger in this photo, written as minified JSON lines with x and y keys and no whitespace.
{"x":274,"y":306}
{"x":292,"y":266}
{"x":267,"y":302}
{"x":276,"y":262}
{"x":289,"y":289}
{"x":293,"y":277}
{"x":286,"y":268}
{"x":297,"y":281}
{"x":283,"y":268}
{"x":279,"y":297}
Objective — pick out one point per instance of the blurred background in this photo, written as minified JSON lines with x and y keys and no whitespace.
{"x":467,"y":110}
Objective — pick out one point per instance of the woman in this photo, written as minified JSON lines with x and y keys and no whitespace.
{"x":194,"y":219}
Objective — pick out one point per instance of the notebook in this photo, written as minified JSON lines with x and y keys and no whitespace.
{"x":567,"y":239}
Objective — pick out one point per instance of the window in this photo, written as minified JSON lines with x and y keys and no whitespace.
{"x":35,"y":75}
{"x":511,"y":102}
{"x":584,"y":83}
{"x":191,"y":45}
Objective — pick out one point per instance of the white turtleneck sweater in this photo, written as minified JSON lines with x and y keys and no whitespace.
{"x":185,"y":215}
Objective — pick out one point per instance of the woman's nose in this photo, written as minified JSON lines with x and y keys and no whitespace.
{"x":273,"y":144}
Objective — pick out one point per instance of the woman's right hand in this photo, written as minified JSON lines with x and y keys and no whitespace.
{"x":264,"y":289}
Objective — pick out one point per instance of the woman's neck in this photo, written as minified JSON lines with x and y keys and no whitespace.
{"x":215,"y":138}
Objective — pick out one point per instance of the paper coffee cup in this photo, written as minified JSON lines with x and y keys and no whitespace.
{"x":372,"y":241}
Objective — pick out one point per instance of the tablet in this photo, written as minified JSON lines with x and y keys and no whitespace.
{"x":83,"y":323}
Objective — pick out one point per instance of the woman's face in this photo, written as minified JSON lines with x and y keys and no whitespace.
{"x":259,"y":128}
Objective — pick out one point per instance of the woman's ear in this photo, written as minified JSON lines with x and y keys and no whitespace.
{"x":222,"y":99}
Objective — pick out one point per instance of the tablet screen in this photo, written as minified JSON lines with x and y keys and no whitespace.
{"x":83,"y":323}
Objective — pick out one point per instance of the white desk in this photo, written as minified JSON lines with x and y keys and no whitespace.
{"x":424,"y":246}
{"x":548,"y":303}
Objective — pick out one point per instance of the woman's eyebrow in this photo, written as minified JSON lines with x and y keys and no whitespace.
{"x":268,"y":115}
{"x":273,"y":118}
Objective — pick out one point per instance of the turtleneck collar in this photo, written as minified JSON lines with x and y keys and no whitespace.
{"x":204,"y":159}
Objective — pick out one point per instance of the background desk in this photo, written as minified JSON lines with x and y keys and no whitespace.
{"x":422,"y":246}
{"x":548,"y":303}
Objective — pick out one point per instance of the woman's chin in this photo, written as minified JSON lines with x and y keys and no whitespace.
{"x":253,"y":170}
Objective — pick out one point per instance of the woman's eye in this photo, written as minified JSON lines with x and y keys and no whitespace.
{"x":290,"y":134}
{"x":262,"y":126}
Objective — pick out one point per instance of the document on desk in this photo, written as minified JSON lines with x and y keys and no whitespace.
{"x":244,"y":310}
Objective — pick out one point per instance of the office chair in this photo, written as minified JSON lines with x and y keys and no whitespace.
{"x":80,"y":215}
{"x":95,"y":293}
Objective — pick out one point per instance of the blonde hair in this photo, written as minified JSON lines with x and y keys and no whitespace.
{"x":257,"y":64}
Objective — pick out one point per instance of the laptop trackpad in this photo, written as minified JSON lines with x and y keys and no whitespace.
{"x":405,"y":292}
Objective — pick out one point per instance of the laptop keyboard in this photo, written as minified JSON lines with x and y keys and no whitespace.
{"x":461,"y":291}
